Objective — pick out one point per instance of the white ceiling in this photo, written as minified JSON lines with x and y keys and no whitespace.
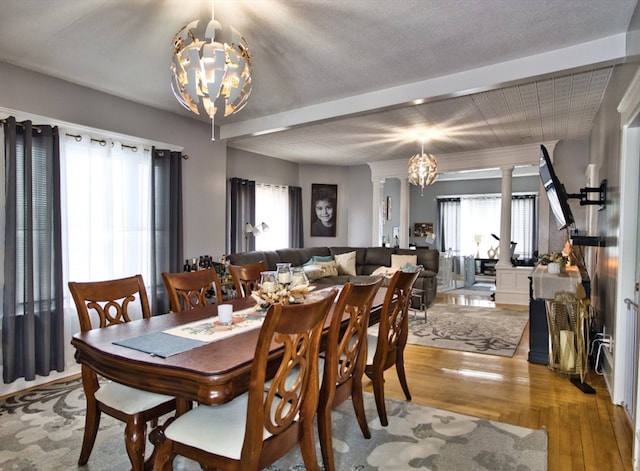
{"x":351,"y":81}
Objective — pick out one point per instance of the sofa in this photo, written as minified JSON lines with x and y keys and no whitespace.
{"x":368,"y":262}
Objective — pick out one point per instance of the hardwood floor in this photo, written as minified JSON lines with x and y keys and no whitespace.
{"x":585,"y":431}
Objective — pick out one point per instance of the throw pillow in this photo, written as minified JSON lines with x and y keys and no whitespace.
{"x":318,"y":258}
{"x":312,"y":272}
{"x":328,"y":268}
{"x":346,"y":263}
{"x":398,"y":260}
{"x":410,"y":268}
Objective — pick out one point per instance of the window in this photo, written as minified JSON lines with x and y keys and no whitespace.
{"x":272,"y":208}
{"x":107,"y":207}
{"x":463,"y":219}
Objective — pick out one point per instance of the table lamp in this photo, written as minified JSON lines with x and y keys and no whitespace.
{"x":477,"y":238}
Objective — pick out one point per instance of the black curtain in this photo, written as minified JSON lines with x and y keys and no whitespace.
{"x":296,"y":226}
{"x":32,"y":307}
{"x":167,"y":223}
{"x":241,"y":209}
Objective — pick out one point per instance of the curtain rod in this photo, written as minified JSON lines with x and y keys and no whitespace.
{"x":103,"y":143}
{"x":18,"y":123}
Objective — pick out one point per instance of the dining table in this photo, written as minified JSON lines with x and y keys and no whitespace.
{"x":210,"y":373}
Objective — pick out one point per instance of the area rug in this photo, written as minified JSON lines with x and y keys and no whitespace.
{"x":42,"y":430}
{"x":489,"y":330}
{"x":479,"y":288}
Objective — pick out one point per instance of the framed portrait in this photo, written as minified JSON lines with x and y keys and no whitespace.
{"x":324,"y":210}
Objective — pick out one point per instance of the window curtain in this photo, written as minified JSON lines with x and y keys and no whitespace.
{"x":449,"y":224}
{"x":480,"y":216}
{"x":167,"y":223}
{"x":272,"y":208}
{"x":523,"y":224}
{"x":296,"y":226}
{"x":32,"y":308}
{"x":241,"y":198}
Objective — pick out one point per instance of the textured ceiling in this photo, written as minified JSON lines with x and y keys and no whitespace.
{"x":351,"y":81}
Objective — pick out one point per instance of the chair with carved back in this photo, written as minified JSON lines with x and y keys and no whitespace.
{"x":387,"y":348}
{"x":188,"y":290}
{"x":113,"y":301}
{"x":259,"y":427}
{"x":345,"y":355}
{"x":246,"y":277}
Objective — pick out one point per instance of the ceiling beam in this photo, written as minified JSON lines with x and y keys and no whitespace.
{"x":592,"y":54}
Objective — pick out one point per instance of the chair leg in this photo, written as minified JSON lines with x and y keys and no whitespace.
{"x":402,"y":377}
{"x":91,"y":425}
{"x":358,"y":406}
{"x":378,"y":393}
{"x":134,"y":439}
{"x":325,"y":438}
{"x":308,"y":447}
{"x":164,"y":456}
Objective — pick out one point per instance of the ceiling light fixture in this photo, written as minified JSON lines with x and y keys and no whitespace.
{"x":210,"y":69}
{"x":423,"y":169}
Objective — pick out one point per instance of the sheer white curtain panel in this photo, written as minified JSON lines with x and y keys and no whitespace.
{"x":272,"y":208}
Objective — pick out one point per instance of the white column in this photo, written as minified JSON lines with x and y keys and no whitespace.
{"x":405,"y":206}
{"x":505,"y":218}
{"x":376,"y":216}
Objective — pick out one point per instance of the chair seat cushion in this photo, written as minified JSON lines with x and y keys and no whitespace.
{"x":129,"y":400}
{"x":372,"y":343}
{"x":215,"y":429}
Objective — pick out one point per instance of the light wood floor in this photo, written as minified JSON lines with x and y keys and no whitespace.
{"x":586,"y":431}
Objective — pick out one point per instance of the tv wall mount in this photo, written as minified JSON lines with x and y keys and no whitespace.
{"x":583,"y":196}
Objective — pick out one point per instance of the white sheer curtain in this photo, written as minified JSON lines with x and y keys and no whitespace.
{"x":480,"y":216}
{"x":107,"y":210}
{"x":272,"y":208}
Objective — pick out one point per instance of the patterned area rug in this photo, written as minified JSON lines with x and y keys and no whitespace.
{"x":42,"y":430}
{"x":490,"y":330}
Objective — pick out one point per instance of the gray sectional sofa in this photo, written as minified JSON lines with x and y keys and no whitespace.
{"x":368,"y":259}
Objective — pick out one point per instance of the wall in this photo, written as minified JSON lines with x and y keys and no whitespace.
{"x":605,"y":154}
{"x":260,"y":168}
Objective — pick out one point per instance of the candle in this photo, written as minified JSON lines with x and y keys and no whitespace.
{"x":284,"y":277}
{"x":269,"y":287}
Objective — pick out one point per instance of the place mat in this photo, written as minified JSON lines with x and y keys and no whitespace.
{"x":160,"y":344}
{"x":209,"y":330}
{"x":195,"y":334}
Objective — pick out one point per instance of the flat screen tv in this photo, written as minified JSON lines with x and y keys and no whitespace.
{"x":556,"y":193}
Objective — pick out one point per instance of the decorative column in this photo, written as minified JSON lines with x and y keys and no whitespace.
{"x":376,"y":216}
{"x":505,"y":218}
{"x":405,"y":206}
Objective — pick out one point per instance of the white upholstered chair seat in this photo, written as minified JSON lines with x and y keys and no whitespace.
{"x":215,"y":429}
{"x":372,"y":344}
{"x":128,"y":400}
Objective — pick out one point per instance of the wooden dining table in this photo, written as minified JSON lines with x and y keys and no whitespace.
{"x":213,"y":373}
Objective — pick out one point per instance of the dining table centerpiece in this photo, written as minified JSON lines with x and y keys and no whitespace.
{"x":276,"y":288}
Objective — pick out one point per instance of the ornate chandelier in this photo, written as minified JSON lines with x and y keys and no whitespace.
{"x":210,"y":69}
{"x":423,"y":169}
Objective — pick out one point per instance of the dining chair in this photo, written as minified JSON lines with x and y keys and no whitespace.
{"x":386,"y":349}
{"x":257,"y":428}
{"x":246,"y":277}
{"x":344,"y":360}
{"x":188,"y":290}
{"x":112,"y":300}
